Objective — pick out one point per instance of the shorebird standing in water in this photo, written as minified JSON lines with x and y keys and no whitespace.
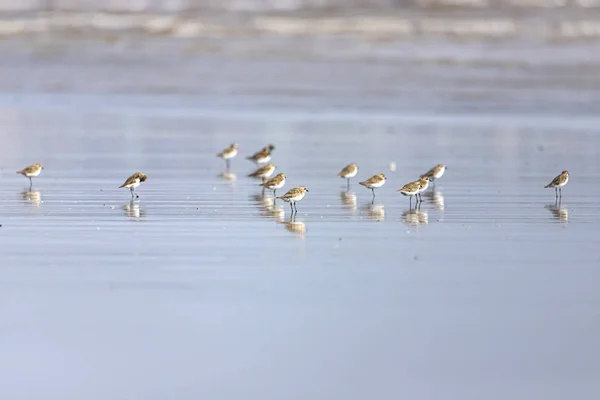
{"x":274,"y":183}
{"x":264,"y":172}
{"x":228,"y":154}
{"x":435,"y":173}
{"x":411,"y":189}
{"x":348,"y":172}
{"x":294,"y":195}
{"x":374,"y":182}
{"x":31,"y":171}
{"x":134,"y":181}
{"x":558,"y":182}
{"x":262,"y":156}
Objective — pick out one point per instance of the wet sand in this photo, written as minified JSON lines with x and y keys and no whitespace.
{"x":205,"y":288}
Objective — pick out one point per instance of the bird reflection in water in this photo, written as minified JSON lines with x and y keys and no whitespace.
{"x":436,"y":198}
{"x":298,"y":227}
{"x":269,"y":207}
{"x":228,"y":176}
{"x":348,"y":200}
{"x":559,"y":211}
{"x":32,"y":198}
{"x":133,"y":210}
{"x":415,"y":217}
{"x":375,"y":211}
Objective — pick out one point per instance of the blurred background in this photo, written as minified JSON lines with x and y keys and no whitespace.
{"x":385,"y":55}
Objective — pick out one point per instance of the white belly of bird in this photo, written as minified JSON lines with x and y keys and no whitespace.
{"x":134,"y":184}
{"x":36,"y":173}
{"x":295,"y":198}
{"x":278,"y":186}
{"x":263,"y":160}
{"x":266,"y":174}
{"x":439,"y":174}
{"x":350,"y":174}
{"x":376,"y":185}
{"x":229,"y":155}
{"x":424,"y":187}
{"x":409,"y":193}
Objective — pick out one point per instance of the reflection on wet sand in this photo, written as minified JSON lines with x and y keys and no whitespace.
{"x":559,"y":211}
{"x":32,"y":198}
{"x":375,"y":211}
{"x":436,"y":198}
{"x":133,"y":210}
{"x":269,"y":207}
{"x":415,"y":217}
{"x":294,"y":226}
{"x":348,"y":200}
{"x":228,"y":176}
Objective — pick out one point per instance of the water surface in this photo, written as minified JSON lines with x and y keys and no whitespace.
{"x":205,"y":288}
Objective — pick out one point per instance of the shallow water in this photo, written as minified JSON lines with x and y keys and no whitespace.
{"x":203,"y":287}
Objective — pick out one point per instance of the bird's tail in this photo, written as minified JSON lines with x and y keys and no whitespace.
{"x":547,"y":186}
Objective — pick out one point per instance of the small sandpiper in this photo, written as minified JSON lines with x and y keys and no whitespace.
{"x":414,"y":189}
{"x":294,"y":195}
{"x":134,"y":181}
{"x":348,"y":172}
{"x":274,"y":183}
{"x":263,"y":172}
{"x":228,"y":154}
{"x":374,"y":182}
{"x":262,"y":156}
{"x":435,"y":173}
{"x":558,"y":182}
{"x":31,"y":171}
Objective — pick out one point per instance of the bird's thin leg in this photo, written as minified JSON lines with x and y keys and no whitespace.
{"x":373,"y":190}
{"x":348,"y":185}
{"x":292,"y":206}
{"x":274,"y":194}
{"x":227,"y":163}
{"x":556,"y":193}
{"x":560,"y":191}
{"x":30,"y":182}
{"x":409,"y":202}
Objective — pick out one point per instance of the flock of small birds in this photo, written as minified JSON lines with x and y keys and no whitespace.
{"x":265,"y":169}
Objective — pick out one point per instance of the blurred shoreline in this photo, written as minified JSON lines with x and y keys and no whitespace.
{"x":467,"y":60}
{"x":544,"y":24}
